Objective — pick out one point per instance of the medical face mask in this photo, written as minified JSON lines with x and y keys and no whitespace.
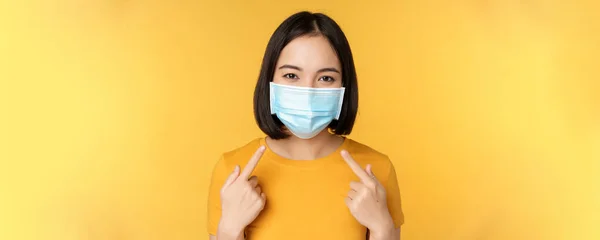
{"x":306,"y":111}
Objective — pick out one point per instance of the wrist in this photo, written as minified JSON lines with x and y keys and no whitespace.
{"x":383,"y":231}
{"x":229,"y":232}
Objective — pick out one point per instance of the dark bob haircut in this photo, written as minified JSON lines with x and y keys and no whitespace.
{"x":302,"y":24}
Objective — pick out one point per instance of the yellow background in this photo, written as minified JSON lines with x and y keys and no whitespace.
{"x":113,"y":112}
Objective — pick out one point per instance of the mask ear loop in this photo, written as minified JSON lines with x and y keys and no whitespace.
{"x":271,"y":97}
{"x":330,"y":130}
{"x":340,"y":103}
{"x":339,"y":110}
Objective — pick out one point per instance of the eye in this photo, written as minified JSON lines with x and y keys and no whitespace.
{"x":327,"y":79}
{"x":290,"y":76}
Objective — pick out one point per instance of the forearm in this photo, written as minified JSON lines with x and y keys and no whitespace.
{"x":381,"y":236}
{"x":384,"y":232}
{"x":229,"y":236}
{"x":228,"y":233}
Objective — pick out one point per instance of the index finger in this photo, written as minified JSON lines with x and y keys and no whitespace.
{"x":355,"y":167}
{"x":251,"y":165}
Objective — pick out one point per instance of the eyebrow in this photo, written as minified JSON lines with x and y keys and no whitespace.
{"x":300,"y":69}
{"x":291,"y":67}
{"x":328,"y":70}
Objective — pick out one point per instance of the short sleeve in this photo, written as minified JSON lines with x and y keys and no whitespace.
{"x":219,"y":175}
{"x":393,"y":198}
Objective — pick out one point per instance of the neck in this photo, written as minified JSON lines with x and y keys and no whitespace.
{"x":306,"y":149}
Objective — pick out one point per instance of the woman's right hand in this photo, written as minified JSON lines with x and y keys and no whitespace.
{"x":241,"y":200}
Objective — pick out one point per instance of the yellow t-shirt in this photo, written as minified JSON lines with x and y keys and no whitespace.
{"x":305,"y":199}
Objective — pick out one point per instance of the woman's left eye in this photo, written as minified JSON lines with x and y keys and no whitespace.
{"x":327,"y":79}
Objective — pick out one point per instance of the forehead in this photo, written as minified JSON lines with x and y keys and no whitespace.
{"x":310,"y":53}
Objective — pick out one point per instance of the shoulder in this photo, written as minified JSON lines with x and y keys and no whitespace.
{"x":226,"y":164}
{"x":381,"y":164}
{"x":359,"y":149}
{"x":364,"y":154}
{"x":239,"y":155}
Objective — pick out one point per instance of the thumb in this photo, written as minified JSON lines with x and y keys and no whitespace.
{"x":233,"y":176}
{"x":370,"y":171}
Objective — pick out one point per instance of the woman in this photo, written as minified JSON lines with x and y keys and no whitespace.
{"x":304,"y":180}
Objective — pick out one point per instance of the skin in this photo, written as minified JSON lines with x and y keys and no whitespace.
{"x":307,"y":61}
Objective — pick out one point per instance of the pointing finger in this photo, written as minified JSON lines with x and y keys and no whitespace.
{"x":355,"y":167}
{"x":252,"y":163}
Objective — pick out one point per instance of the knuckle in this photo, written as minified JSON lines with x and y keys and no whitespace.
{"x":255,"y":194}
{"x":224,"y":195}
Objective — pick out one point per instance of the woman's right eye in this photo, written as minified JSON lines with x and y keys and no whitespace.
{"x":290,"y":76}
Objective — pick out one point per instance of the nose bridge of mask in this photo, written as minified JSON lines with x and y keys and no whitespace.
{"x":306,"y":101}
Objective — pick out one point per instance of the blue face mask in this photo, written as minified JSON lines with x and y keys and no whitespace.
{"x":306,"y":111}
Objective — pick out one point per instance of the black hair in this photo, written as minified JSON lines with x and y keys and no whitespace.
{"x":302,"y":24}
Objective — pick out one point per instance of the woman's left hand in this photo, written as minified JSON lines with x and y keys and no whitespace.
{"x":367,"y":201}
